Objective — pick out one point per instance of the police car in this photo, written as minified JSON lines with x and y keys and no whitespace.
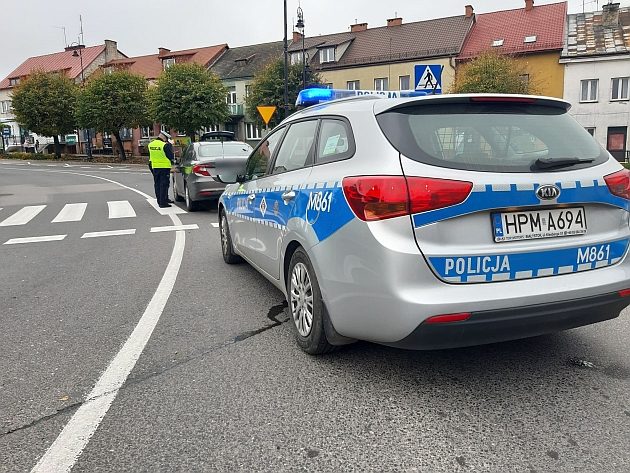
{"x":432,"y":222}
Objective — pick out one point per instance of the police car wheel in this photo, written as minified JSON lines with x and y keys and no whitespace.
{"x":306,"y":306}
{"x":226,"y":242}
{"x":191,"y":205}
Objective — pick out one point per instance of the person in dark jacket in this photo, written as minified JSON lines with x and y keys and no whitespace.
{"x":161,"y":158}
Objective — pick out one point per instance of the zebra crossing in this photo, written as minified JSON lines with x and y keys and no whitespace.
{"x":116,"y":211}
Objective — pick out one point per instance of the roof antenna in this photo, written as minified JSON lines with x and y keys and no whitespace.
{"x":65,"y":40}
{"x":82,"y":37}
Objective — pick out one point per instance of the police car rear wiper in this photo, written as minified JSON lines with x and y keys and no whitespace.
{"x":549,"y":163}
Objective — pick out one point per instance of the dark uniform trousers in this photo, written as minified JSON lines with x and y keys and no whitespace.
{"x":161,"y":178}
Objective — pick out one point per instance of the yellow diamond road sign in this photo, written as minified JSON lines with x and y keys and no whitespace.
{"x":266,"y":112}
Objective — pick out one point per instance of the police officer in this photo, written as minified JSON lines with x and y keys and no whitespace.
{"x":161,"y":158}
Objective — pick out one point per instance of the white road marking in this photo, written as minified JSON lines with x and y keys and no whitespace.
{"x":17,"y":241}
{"x":66,"y":449}
{"x":71,"y":213}
{"x":131,"y":231}
{"x":22,"y":216}
{"x":174,"y":209}
{"x":120,"y":209}
{"x":174,"y":228}
{"x":215,"y":225}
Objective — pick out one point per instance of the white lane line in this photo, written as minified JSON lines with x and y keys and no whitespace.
{"x":17,"y":241}
{"x":120,"y":209}
{"x":215,"y":225}
{"x":174,"y":209}
{"x":174,"y":228}
{"x":22,"y":216}
{"x":65,"y":450}
{"x":130,"y":231}
{"x":71,"y":213}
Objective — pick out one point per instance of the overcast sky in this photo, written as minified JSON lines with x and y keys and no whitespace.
{"x":33,"y":27}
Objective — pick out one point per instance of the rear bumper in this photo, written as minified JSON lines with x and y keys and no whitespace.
{"x":205,"y":189}
{"x":510,"y":324}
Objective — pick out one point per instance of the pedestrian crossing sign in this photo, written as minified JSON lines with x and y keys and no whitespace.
{"x":428,"y":78}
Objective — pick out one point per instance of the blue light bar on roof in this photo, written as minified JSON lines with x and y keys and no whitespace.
{"x":314,"y":96}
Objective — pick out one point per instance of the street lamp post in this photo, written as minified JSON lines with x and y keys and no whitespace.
{"x":286,"y":64}
{"x":89,"y":137}
{"x":300,"y":26}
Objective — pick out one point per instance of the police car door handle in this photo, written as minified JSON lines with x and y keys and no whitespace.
{"x":251,"y":197}
{"x":289,"y":195}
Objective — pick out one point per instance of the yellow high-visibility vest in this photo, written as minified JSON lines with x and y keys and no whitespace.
{"x":157,"y":156}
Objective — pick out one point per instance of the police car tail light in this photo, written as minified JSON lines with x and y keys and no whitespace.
{"x":377,"y":197}
{"x":448,"y":318}
{"x":201,"y":170}
{"x":431,"y":194}
{"x":619,"y":183}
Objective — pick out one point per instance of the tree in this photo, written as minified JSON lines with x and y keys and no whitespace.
{"x":114,"y":101}
{"x":268,"y":88}
{"x":493,"y":73}
{"x":189,"y":97}
{"x":45,"y":104}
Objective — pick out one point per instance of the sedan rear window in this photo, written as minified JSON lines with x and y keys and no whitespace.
{"x":218,"y":149}
{"x":491,"y":137}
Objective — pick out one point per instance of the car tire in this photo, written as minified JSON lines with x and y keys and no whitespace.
{"x":227,"y":248}
{"x":177,"y":197}
{"x":191,"y":205}
{"x":306,"y":307}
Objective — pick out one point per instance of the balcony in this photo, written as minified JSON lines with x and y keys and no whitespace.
{"x":236,"y":109}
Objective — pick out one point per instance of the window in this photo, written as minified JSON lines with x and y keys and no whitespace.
{"x":126,"y":134}
{"x":207,"y":129}
{"x":381,"y":83}
{"x":296,"y":58}
{"x":231,"y":96}
{"x":497,"y":42}
{"x":259,"y":159}
{"x":327,"y":55}
{"x":591,"y":130}
{"x":403,"y":83}
{"x":530,"y":39}
{"x":335,"y":141}
{"x":248,"y":89}
{"x":588,"y":89}
{"x":296,"y":147}
{"x":146,"y":131}
{"x":164,"y":128}
{"x":494,"y":138}
{"x":168,"y":62}
{"x":106,"y":135}
{"x":620,"y":88}
{"x":353,"y":85}
{"x":524,"y":78}
{"x":5,"y":106}
{"x":14,"y":81}
{"x":252,"y":132}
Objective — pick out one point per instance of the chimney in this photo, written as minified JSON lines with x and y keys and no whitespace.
{"x":111,"y":50}
{"x":394,"y":22}
{"x":163,"y":51}
{"x":297,"y":37}
{"x":358,"y":27}
{"x":529,"y":5}
{"x":470,"y":11}
{"x":610,"y":15}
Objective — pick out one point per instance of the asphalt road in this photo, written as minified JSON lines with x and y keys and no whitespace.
{"x":220,"y":385}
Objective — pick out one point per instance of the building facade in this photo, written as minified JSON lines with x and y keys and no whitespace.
{"x":596,"y":58}
{"x":236,"y":68}
{"x":533,"y":36}
{"x":76,"y":62}
{"x":385,"y":58}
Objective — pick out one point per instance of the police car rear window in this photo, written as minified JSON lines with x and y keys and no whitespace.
{"x":490,"y":137}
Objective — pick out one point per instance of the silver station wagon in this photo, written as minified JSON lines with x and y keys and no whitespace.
{"x":432,"y":222}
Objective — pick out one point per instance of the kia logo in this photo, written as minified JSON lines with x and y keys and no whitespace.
{"x":548,"y":192}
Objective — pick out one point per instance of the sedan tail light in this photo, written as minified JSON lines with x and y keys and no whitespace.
{"x":202,"y":169}
{"x":381,"y":197}
{"x":619,"y":183}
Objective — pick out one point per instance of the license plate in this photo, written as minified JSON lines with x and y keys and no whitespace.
{"x":534,"y":224}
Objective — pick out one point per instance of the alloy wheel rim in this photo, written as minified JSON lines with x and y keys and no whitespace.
{"x":301,"y":290}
